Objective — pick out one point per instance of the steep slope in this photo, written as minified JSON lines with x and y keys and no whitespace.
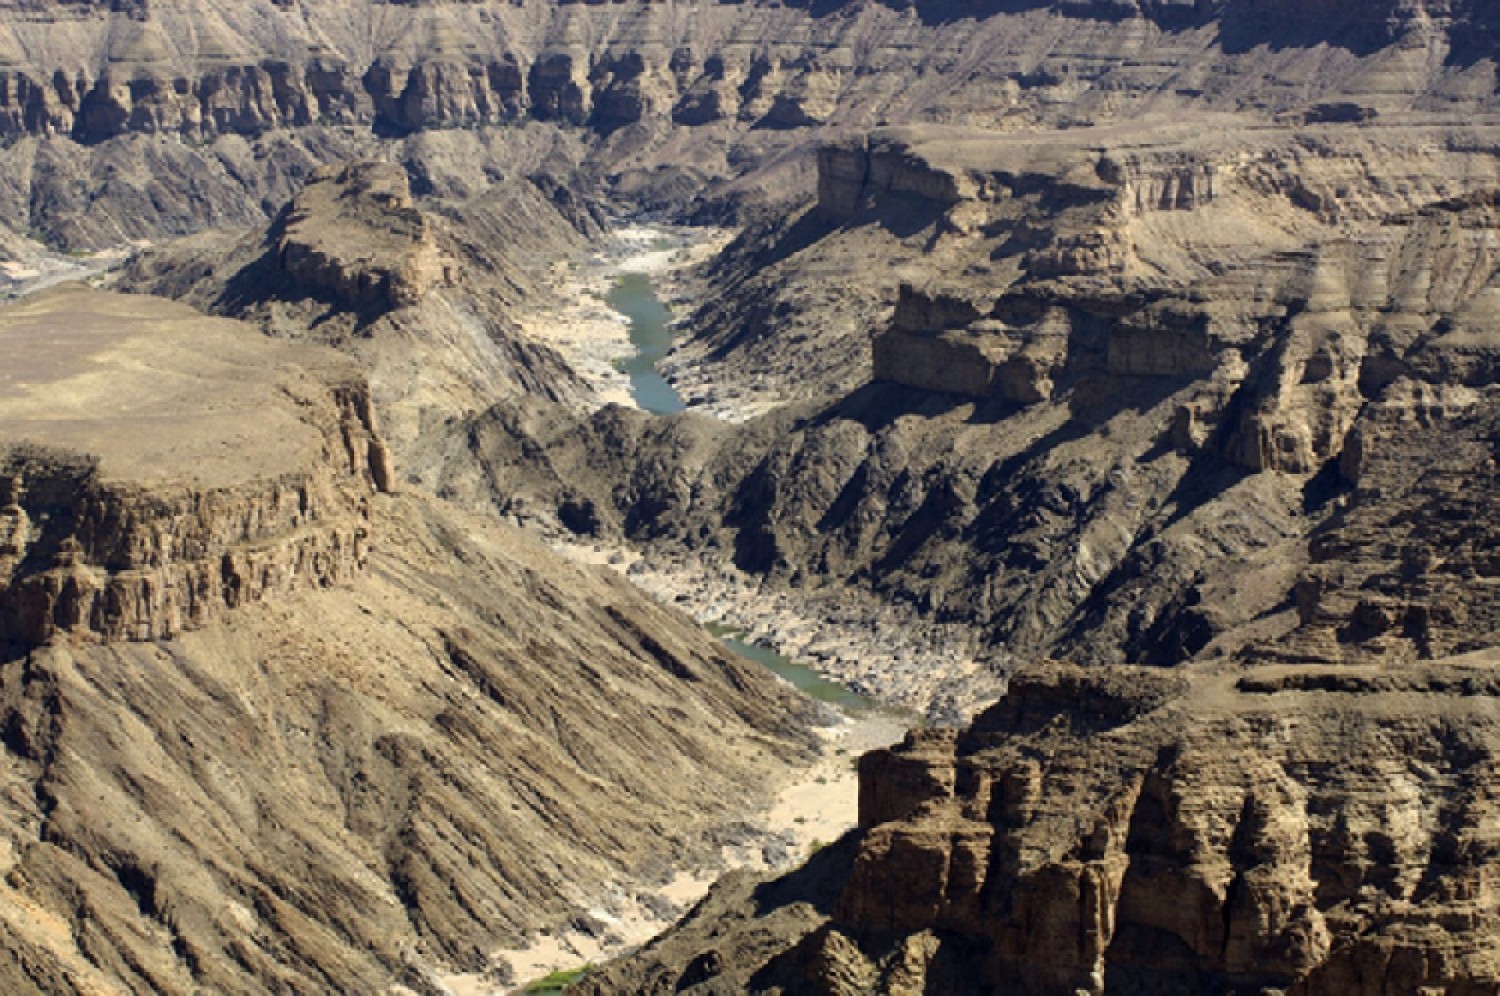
{"x":1113,"y":330}
{"x":268,"y":725}
{"x":1086,"y":458}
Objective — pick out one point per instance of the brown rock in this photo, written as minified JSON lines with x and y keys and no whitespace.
{"x":1119,"y":830}
{"x":267,"y":727}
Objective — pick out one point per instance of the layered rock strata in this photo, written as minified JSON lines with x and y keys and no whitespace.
{"x":95,"y":71}
{"x":666,"y":95}
{"x":267,"y":724}
{"x":1159,"y":475}
{"x":1231,"y":830}
{"x":173,"y":523}
{"x":354,"y":235}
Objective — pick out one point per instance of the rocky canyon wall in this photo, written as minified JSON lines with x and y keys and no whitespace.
{"x":91,"y":551}
{"x":659,"y":98}
{"x":271,"y":721}
{"x":1292,"y":829}
{"x":95,"y":71}
{"x":1090,"y":461}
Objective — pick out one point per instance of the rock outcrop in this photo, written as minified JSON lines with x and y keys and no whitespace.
{"x":422,"y":299}
{"x":1286,"y":828}
{"x":354,"y":235}
{"x":90,"y":553}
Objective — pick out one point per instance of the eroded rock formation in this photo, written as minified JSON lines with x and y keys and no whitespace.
{"x":672,"y":94}
{"x":91,"y":553}
{"x":1288,"y":828}
{"x":1137,"y":460}
{"x":354,"y":235}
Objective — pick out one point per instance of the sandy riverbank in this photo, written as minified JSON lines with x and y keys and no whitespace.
{"x":819,"y":805}
{"x":43,"y":268}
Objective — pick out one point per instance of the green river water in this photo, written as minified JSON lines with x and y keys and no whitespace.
{"x":634,"y":296}
{"x":802,"y":677}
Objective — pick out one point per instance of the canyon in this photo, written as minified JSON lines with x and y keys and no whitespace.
{"x":268,"y":713}
{"x":1110,"y":382}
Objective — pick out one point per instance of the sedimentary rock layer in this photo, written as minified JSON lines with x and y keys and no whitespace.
{"x":136,"y":110}
{"x":1295,"y":829}
{"x":267,"y":726}
{"x":422,"y":298}
{"x":1169,"y":499}
{"x":95,"y":71}
{"x":149,"y":485}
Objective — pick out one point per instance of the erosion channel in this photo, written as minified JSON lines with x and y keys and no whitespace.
{"x":633,"y":276}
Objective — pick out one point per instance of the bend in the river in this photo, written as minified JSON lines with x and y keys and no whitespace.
{"x":634,"y":296}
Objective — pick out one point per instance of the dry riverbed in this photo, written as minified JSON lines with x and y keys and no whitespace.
{"x":819,"y":806}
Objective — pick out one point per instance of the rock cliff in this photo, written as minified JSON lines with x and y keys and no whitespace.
{"x":665,"y":96}
{"x":270,"y":723}
{"x":1229,"y":830}
{"x":95,"y":71}
{"x":1100,"y":218}
{"x":1154,"y":475}
{"x":354,"y":236}
{"x":90,"y":552}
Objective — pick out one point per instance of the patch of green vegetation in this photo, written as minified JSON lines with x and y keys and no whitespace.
{"x":557,"y":981}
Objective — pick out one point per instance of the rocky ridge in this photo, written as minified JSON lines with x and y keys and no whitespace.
{"x":1096,"y":215}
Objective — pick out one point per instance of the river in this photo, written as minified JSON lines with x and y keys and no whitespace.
{"x":808,"y":811}
{"x":634,"y":296}
{"x":800,"y":676}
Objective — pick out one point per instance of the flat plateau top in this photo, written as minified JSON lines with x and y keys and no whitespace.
{"x":160,"y":393}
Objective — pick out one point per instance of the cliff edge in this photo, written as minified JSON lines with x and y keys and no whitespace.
{"x":268,"y":723}
{"x":1307,"y":830}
